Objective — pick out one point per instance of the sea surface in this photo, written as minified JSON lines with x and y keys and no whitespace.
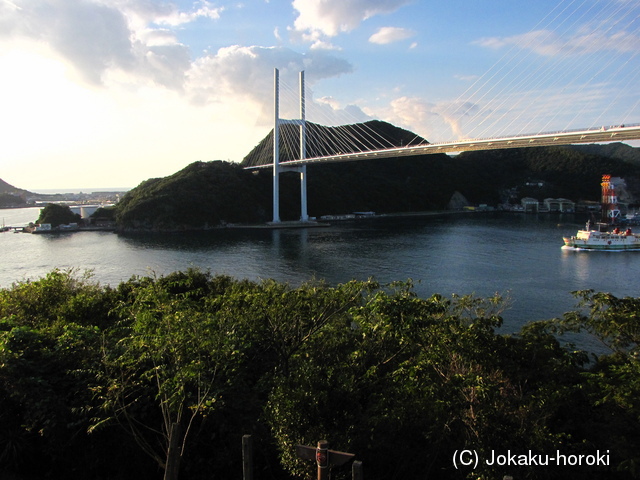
{"x":516,"y":255}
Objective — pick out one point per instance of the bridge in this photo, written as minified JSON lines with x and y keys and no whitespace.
{"x":616,"y":133}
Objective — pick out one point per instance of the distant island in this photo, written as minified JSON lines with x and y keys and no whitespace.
{"x":207,"y":195}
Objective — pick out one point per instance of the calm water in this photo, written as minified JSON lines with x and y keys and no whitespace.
{"x":512,"y":254}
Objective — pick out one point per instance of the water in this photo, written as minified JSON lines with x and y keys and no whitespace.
{"x":511,"y":254}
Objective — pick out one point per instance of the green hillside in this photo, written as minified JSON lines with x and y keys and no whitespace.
{"x":202,"y":195}
{"x":618,"y":150}
{"x":567,"y":172}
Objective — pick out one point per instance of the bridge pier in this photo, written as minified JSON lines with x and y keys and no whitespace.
{"x":277,"y":169}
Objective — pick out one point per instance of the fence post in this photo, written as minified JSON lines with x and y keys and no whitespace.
{"x":356,"y":471}
{"x":247,"y":457}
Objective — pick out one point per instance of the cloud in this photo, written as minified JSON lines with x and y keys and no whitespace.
{"x":436,"y":122}
{"x":246,"y":73}
{"x":466,"y":78}
{"x":387,"y":35}
{"x":332,"y":17}
{"x":176,"y":17}
{"x":548,"y":43}
{"x":103,"y":40}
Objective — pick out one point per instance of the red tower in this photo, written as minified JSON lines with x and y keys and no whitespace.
{"x":610,"y":212}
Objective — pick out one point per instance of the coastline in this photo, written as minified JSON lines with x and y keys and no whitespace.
{"x":316,"y":223}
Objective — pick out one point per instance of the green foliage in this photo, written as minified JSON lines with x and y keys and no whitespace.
{"x":399,"y":380}
{"x":50,"y":339}
{"x":56,"y":215}
{"x":108,"y":213}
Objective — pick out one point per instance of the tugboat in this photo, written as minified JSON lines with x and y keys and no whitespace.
{"x":600,"y":237}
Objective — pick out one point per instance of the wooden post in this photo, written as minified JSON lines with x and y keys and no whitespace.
{"x":356,"y":471}
{"x":322,"y":459}
{"x":325,"y":458}
{"x":247,"y":457}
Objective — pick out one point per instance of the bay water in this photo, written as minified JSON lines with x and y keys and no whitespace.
{"x":516,"y":255}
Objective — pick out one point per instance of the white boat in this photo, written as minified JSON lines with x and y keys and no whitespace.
{"x":602,"y":239}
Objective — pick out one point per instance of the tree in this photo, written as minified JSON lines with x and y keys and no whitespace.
{"x":169,"y":366}
{"x":612,"y":382}
{"x":50,"y":344}
{"x":58,"y":215}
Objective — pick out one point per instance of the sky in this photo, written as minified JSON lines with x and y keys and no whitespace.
{"x":109,"y":93}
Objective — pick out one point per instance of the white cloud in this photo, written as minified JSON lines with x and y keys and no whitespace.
{"x":436,"y":122}
{"x":331,"y":101}
{"x":107,"y":82}
{"x":332,"y":17}
{"x":176,"y":17}
{"x":247,"y":73}
{"x":466,"y":78}
{"x":548,"y":43}
{"x":387,"y":35}
{"x":98,"y":38}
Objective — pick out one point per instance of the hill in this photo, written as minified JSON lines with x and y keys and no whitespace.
{"x":11,"y":196}
{"x":617,"y":150}
{"x":200,"y":196}
{"x":323,"y":140}
{"x":569,"y":171}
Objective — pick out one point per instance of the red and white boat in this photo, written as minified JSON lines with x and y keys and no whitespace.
{"x":600,"y":238}
{"x":604,"y":236}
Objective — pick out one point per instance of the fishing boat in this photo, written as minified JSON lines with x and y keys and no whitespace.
{"x":605,"y":235}
{"x":600,"y":238}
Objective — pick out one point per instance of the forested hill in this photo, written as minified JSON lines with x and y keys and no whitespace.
{"x":322,"y":140}
{"x":201,"y":195}
{"x":572,"y":172}
{"x":618,"y":150}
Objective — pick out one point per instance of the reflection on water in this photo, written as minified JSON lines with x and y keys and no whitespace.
{"x":518,"y":255}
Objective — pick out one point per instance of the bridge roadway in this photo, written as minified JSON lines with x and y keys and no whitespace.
{"x":604,"y":134}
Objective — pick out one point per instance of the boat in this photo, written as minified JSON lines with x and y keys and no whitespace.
{"x":600,"y":238}
{"x":605,"y":235}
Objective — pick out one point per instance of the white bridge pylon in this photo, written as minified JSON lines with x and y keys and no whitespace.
{"x":618,"y":133}
{"x":278,"y":168}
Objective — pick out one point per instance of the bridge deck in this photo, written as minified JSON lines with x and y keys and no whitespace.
{"x":608,"y":134}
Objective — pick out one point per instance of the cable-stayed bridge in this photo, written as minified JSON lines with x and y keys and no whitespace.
{"x":351,"y":149}
{"x":618,"y":133}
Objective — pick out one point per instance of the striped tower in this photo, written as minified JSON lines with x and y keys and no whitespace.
{"x":610,"y":211}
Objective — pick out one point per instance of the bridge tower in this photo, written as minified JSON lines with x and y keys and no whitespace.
{"x":277,"y":168}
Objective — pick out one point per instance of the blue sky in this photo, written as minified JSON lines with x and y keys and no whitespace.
{"x":108,"y":93}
